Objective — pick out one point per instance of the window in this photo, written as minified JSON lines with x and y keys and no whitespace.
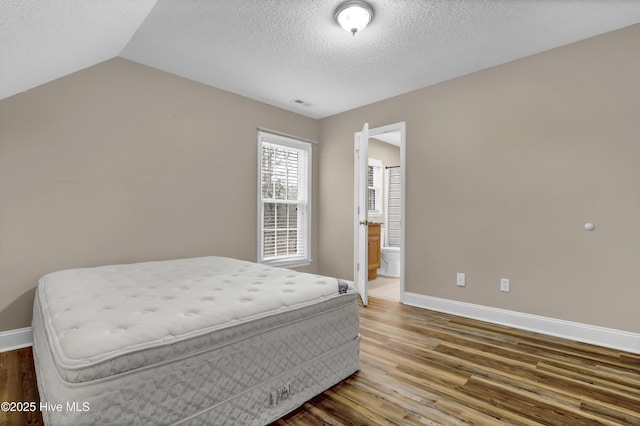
{"x":374,"y":187}
{"x":284,"y":201}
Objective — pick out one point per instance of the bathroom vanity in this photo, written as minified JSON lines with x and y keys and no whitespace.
{"x":374,"y":250}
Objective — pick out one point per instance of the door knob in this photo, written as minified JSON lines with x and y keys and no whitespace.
{"x":364,"y":222}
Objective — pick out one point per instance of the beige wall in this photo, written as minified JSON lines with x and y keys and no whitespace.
{"x":504,"y":168}
{"x":123,"y":163}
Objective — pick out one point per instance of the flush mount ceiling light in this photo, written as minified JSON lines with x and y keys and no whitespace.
{"x":354,"y":15}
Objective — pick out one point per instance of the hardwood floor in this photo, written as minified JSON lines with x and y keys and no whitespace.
{"x":18,"y":383}
{"x":426,"y":368}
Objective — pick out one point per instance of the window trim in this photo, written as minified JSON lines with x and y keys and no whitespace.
{"x":289,"y":261}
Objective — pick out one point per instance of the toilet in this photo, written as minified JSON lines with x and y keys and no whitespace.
{"x":389,"y":259}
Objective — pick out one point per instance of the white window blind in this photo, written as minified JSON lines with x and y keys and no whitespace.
{"x":374,"y":187}
{"x":394,"y":207}
{"x":284,"y":200}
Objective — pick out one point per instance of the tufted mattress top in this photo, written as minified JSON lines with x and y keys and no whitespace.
{"x":108,"y":320}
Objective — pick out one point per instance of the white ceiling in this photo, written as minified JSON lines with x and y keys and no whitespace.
{"x":276,"y":51}
{"x":42,"y":40}
{"x":394,"y":138}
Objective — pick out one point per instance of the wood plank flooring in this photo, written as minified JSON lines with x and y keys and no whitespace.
{"x":18,"y":383}
{"x":426,"y":368}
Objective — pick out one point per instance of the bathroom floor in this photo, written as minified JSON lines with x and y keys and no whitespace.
{"x":385,"y":288}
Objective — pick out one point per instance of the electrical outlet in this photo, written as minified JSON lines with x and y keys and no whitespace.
{"x":460,"y":280}
{"x":504,"y":285}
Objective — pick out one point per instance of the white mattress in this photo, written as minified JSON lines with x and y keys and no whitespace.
{"x":106,"y":320}
{"x":269,"y":328}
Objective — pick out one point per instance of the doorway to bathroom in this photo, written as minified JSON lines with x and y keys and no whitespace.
{"x":379,"y":214}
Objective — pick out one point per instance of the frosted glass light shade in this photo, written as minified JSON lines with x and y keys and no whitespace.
{"x":354,"y":16}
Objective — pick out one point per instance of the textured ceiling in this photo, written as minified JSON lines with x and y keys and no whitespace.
{"x":276,"y":51}
{"x":42,"y":40}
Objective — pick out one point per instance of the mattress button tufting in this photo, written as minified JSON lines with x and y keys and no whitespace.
{"x":69,"y":330}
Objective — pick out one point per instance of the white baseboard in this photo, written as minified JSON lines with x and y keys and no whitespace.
{"x":15,"y":339}
{"x":601,"y":336}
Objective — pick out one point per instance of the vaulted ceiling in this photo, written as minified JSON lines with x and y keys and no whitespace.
{"x":277,"y":51}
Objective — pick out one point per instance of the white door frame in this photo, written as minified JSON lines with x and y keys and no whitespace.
{"x":360,"y":186}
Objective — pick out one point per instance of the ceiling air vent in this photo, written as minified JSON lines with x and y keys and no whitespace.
{"x":301,"y":102}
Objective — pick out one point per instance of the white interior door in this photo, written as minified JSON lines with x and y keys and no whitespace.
{"x":361,"y":222}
